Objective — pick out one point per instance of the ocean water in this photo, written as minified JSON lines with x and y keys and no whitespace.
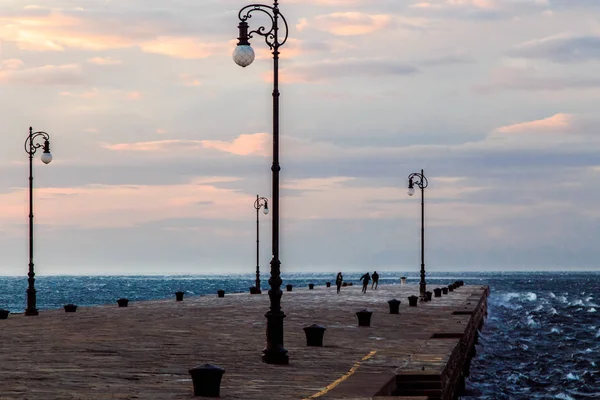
{"x":541,"y":339}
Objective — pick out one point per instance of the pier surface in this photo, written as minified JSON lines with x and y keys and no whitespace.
{"x":144,"y":351}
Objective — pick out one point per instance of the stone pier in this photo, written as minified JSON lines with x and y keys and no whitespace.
{"x":144,"y":351}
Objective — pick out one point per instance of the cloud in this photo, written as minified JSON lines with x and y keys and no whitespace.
{"x":104,"y":61}
{"x":243,"y":145}
{"x":561,"y":49}
{"x":83,"y":95}
{"x":69,"y":74}
{"x":182,"y":47}
{"x":257,"y":144}
{"x":531,"y":80}
{"x":60,"y":30}
{"x":11,"y":63}
{"x":189,"y":80}
{"x":351,"y":23}
{"x":327,"y":70}
{"x":557,"y":122}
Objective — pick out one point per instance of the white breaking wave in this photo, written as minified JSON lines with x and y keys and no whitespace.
{"x":531,"y":296}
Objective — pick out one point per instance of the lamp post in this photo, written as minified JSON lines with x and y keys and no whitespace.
{"x":33,"y":143}
{"x":243,"y":55}
{"x":261,"y":202}
{"x":421,"y":181}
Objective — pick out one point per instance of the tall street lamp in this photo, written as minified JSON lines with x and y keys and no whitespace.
{"x":33,"y":143}
{"x":243,"y":55}
{"x":261,"y":202}
{"x":421,"y":181}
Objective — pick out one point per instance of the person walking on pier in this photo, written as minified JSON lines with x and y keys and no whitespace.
{"x":365,"y":278}
{"x":338,"y":281}
{"x":375,"y":277}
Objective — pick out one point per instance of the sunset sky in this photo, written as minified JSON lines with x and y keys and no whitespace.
{"x":161,"y":142}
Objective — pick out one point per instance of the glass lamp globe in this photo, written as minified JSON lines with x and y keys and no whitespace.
{"x":411,"y":191}
{"x":266,"y":210}
{"x":46,"y":157}
{"x":243,"y":55}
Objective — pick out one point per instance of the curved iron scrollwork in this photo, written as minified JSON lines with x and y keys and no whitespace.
{"x":31,"y":145}
{"x":417,"y":179}
{"x":271,"y":35}
{"x":261,"y":202}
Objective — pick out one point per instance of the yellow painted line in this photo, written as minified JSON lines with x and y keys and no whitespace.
{"x":342,"y":378}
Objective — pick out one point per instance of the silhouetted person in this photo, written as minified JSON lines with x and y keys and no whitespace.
{"x":365,"y":278}
{"x":375,"y":277}
{"x":338,"y":281}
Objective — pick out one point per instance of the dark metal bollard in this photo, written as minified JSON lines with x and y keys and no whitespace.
{"x":179,"y":296}
{"x":70,"y":307}
{"x":207,"y":380}
{"x":445,"y":290}
{"x":311,"y":286}
{"x":349,"y":283}
{"x":412,"y":300}
{"x":253,"y":290}
{"x":328,"y":284}
{"x":437,"y":292}
{"x":4,"y":314}
{"x":344,"y":284}
{"x":451,"y":288}
{"x":123,"y":302}
{"x":314,"y":335}
{"x":428,"y":296}
{"x":364,"y":317}
{"x":220,"y":293}
{"x":394,"y":306}
{"x":289,"y":287}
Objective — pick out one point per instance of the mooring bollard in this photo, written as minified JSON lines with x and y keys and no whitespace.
{"x":289,"y":287}
{"x":403,"y":280}
{"x":220,"y":293}
{"x":412,"y":300}
{"x":123,"y":302}
{"x":253,"y":290}
{"x":4,"y":314}
{"x":328,"y":284}
{"x":70,"y":307}
{"x":428,"y":296}
{"x":394,"y":306}
{"x":344,"y":284}
{"x":445,"y":290}
{"x":311,"y":286}
{"x":314,"y":335}
{"x":179,"y":296}
{"x":437,"y":292}
{"x":451,"y":288}
{"x":207,"y":380}
{"x":364,"y":317}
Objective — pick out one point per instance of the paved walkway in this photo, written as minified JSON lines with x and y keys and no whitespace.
{"x":144,"y":351}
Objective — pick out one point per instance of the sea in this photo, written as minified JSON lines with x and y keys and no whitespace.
{"x":541,"y":339}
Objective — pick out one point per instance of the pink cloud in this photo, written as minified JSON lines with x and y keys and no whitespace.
{"x":84,"y":95}
{"x":352,"y":23}
{"x":104,"y":61}
{"x":189,"y":80}
{"x":69,"y":74}
{"x":556,"y":122}
{"x":57,"y":31}
{"x":243,"y":145}
{"x":134,"y":95}
{"x":10,"y":64}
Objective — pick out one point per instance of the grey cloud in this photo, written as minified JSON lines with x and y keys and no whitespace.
{"x":561,"y":49}
{"x":450,"y":59}
{"x":349,"y":68}
{"x":529,"y":82}
{"x":70,"y":74}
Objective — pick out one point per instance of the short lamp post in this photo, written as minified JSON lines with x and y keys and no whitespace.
{"x":33,"y":143}
{"x":421,"y":181}
{"x":243,"y":55}
{"x":261,"y":202}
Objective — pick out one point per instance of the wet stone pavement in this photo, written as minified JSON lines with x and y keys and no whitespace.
{"x":144,"y":351}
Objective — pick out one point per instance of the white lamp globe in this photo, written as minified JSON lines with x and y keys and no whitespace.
{"x":243,"y":55}
{"x":46,"y":157}
{"x":411,"y":191}
{"x":266,"y":210}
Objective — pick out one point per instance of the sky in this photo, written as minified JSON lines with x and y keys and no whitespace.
{"x":161,"y":142}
